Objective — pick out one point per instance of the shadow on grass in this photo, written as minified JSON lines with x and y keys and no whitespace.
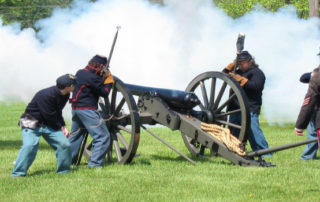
{"x":148,"y":162}
{"x":40,"y":172}
{"x":10,"y":144}
{"x":197,"y":159}
{"x":16,"y":145}
{"x":140,"y":162}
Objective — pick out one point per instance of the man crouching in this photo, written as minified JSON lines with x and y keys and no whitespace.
{"x":43,"y":117}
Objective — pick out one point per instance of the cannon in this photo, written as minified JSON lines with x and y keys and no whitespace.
{"x":199,"y":113}
{"x":205,"y":100}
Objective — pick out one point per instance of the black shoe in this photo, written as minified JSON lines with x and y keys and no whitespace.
{"x":263,"y":163}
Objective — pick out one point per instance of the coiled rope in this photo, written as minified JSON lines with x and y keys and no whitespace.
{"x":225,"y":137}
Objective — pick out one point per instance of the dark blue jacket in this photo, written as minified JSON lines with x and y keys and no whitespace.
{"x":46,"y":106}
{"x":311,"y":100}
{"x":89,"y":87}
{"x":253,"y":88}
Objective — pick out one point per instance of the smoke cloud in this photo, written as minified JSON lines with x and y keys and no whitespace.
{"x":161,"y":46}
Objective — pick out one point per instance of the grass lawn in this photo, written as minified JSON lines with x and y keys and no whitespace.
{"x":158,"y":174}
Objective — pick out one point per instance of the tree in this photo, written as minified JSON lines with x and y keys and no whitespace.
{"x":27,"y":12}
{"x":314,"y":8}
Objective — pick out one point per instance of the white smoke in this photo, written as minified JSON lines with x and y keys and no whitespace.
{"x":161,"y":46}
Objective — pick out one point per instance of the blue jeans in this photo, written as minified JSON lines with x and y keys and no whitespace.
{"x":88,"y":120}
{"x":310,"y":152}
{"x":28,"y":151}
{"x":256,"y":136}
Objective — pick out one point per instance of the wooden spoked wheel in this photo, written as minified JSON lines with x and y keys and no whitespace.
{"x":122,"y":119}
{"x":216,"y":91}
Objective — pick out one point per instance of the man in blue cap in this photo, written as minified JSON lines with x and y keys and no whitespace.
{"x":43,"y":117}
{"x":309,"y":113}
{"x":310,"y":151}
{"x":251,"y":78}
{"x":85,"y":115}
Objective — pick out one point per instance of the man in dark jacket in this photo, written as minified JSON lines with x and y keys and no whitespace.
{"x":43,"y":117}
{"x":310,"y":103}
{"x":252,"y":80}
{"x":310,"y":151}
{"x":85,"y":115}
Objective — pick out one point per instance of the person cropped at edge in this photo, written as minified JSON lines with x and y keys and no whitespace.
{"x":251,"y":79}
{"x":310,"y":151}
{"x":85,"y":115}
{"x":43,"y":117}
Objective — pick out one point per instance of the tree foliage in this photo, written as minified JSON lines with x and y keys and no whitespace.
{"x":237,"y":8}
{"x":27,"y":12}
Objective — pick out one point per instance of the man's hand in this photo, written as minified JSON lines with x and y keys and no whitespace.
{"x":298,"y":131}
{"x":242,"y":80}
{"x":109,"y":78}
{"x":65,"y":131}
{"x":230,"y":66}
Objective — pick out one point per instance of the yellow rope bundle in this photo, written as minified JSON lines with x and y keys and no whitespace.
{"x":224,"y":136}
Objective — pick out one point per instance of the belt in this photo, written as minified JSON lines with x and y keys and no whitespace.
{"x":84,"y":107}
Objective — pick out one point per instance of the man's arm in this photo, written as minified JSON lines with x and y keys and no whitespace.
{"x":62,"y":105}
{"x":99,"y":87}
{"x":255,"y":81}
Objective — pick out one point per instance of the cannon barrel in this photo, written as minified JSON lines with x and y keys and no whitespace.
{"x":174,"y":98}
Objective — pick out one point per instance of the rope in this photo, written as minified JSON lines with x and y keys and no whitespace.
{"x":225,"y":137}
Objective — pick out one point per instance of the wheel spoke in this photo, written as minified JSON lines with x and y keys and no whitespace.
{"x":104,"y":105}
{"x":223,"y":88}
{"x":117,"y":148}
{"x":204,"y":94}
{"x":227,"y":102}
{"x":202,"y":148}
{"x":119,"y":107}
{"x":212,"y":92}
{"x":227,"y":113}
{"x":228,"y":123}
{"x":201,"y":106}
{"x":122,"y":139}
{"x":124,"y":129}
{"x":113,"y":99}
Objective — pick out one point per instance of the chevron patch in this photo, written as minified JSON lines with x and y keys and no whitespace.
{"x":306,"y":101}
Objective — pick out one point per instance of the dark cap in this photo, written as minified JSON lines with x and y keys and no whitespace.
{"x":99,"y":59}
{"x":65,"y":80}
{"x":244,"y":56}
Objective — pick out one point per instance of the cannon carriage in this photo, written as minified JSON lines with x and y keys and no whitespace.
{"x":206,"y":99}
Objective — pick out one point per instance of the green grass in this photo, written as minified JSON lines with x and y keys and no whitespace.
{"x":158,"y":174}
